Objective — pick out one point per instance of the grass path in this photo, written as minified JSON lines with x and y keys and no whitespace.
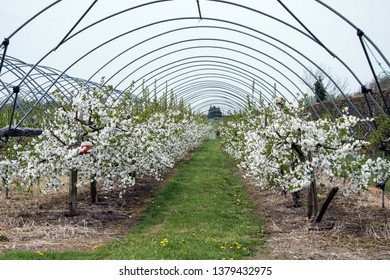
{"x":202,"y":213}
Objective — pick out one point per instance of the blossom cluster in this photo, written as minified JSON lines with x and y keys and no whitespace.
{"x":280,"y":146}
{"x":122,"y":142}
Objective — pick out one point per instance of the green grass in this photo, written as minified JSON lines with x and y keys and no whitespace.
{"x":202,"y":213}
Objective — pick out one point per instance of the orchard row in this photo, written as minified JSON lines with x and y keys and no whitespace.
{"x":281,"y":147}
{"x":106,"y":140}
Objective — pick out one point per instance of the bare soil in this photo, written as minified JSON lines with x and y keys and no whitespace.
{"x":354,"y":227}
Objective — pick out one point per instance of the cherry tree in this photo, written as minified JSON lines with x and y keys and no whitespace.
{"x":95,"y":138}
{"x":282,"y":147}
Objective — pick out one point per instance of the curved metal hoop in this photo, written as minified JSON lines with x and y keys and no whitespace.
{"x":224,"y":74}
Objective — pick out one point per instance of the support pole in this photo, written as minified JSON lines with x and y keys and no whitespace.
{"x":324,"y":206}
{"x":366,"y":91}
{"x":382,"y":186}
{"x":360,"y":34}
{"x":5,"y":44}
{"x":200,"y":12}
{"x":74,"y":26}
{"x":31,"y":19}
{"x":16,"y":90}
{"x":355,"y":27}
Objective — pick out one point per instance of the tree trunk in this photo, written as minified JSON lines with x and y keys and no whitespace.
{"x":7,"y":192}
{"x":315,"y":196}
{"x":297,"y":194}
{"x":383,"y":198}
{"x":295,"y":197}
{"x":93,"y":192}
{"x":324,"y":206}
{"x":309,"y":204}
{"x":72,"y":192}
{"x":312,"y":199}
{"x":6,"y":186}
{"x":312,"y":195}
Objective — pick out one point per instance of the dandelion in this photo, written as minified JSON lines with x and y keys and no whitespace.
{"x":164,"y":242}
{"x":96,"y":247}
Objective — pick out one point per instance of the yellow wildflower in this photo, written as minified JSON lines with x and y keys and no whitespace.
{"x":164,"y":242}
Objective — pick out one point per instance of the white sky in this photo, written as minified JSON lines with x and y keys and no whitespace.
{"x":46,"y":31}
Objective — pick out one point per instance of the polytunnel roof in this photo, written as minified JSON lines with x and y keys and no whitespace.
{"x":206,"y":52}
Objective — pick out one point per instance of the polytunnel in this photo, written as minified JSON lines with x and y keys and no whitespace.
{"x":205,"y":52}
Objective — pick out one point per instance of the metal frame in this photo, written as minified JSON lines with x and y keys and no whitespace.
{"x":227,"y":80}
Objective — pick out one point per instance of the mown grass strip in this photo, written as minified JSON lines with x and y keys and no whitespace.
{"x":202,"y":213}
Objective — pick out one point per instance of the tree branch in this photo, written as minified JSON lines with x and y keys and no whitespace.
{"x":298,"y":151}
{"x":58,"y":139}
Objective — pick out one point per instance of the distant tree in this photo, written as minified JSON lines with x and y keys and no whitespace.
{"x":333,"y":85}
{"x":320,"y":90}
{"x":215,"y":113}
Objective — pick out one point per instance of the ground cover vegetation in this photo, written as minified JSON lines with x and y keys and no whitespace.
{"x":203,"y":212}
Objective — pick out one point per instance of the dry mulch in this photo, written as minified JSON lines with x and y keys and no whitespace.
{"x":41,"y":222}
{"x":355,"y":227}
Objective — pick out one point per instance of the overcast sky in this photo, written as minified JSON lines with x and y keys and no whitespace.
{"x":40,"y":36}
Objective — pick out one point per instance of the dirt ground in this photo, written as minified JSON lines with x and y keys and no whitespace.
{"x":41,"y":222}
{"x":354,"y":227}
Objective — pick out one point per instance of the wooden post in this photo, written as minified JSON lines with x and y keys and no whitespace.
{"x":72,"y":192}
{"x":324,"y":206}
{"x":382,"y":186}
